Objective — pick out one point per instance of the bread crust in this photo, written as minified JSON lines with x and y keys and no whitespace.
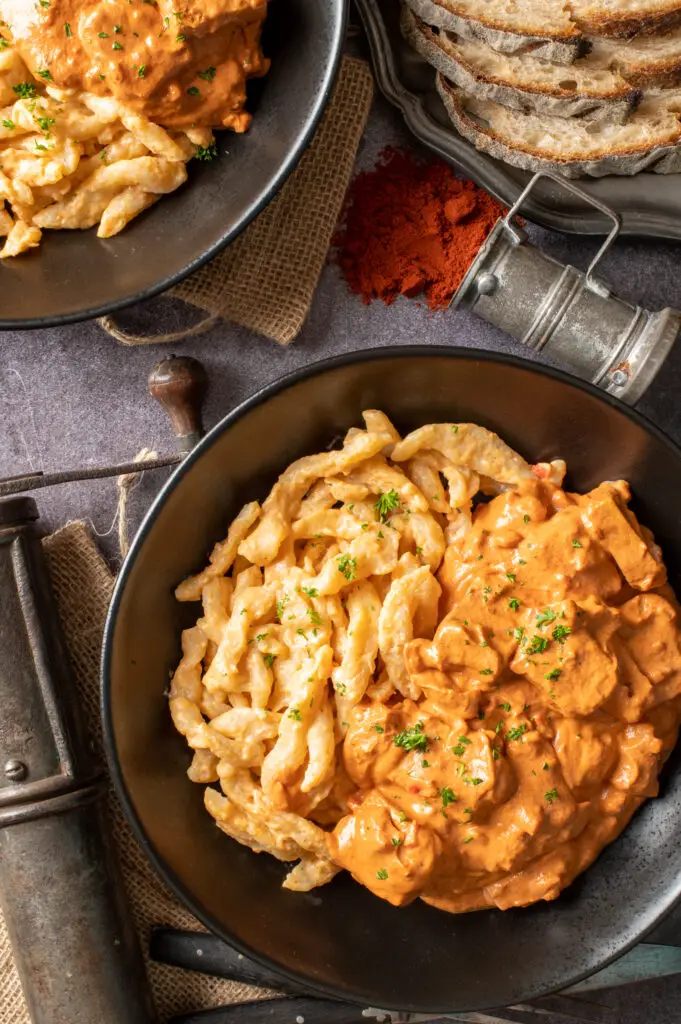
{"x":611,"y":105}
{"x":664,"y":158}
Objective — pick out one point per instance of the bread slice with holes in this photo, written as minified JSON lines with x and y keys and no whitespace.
{"x":556,"y":30}
{"x":510,"y":26}
{"x":588,"y":88}
{"x":649,"y":140}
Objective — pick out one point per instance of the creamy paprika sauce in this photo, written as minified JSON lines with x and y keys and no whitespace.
{"x":550,"y":700}
{"x":180,"y":64}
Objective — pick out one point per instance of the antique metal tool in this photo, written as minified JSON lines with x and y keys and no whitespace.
{"x":565,"y":314}
{"x":61,"y":891}
{"x":179,"y":384}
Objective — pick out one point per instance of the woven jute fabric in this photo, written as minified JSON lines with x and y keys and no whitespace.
{"x":266,"y":278}
{"x":82,"y":586}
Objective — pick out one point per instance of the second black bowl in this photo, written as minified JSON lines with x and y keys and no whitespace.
{"x":341,"y":940}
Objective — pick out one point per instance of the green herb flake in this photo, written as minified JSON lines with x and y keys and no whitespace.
{"x":510,"y":576}
{"x":517,"y":733}
{"x":116,"y":45}
{"x":208,"y":75}
{"x":348,"y":567}
{"x":576,"y":544}
{"x":519,"y":633}
{"x":505,"y":706}
{"x":538,"y":645}
{"x":142,"y":70}
{"x":545,"y":617}
{"x":269,"y":660}
{"x":294,"y":714}
{"x":387,"y":502}
{"x":67,"y":29}
{"x":468,"y":839}
{"x":382,"y":874}
{"x":396,"y":841}
{"x":514,"y":604}
{"x":379,"y":728}
{"x":8,"y":124}
{"x":561,"y":633}
{"x":448,"y":796}
{"x":193,"y":91}
{"x":495,"y":753}
{"x":553,"y":675}
{"x":551,"y":795}
{"x":545,"y":766}
{"x":526,"y":519}
{"x":425,"y":764}
{"x":24,"y":90}
{"x":412,"y":739}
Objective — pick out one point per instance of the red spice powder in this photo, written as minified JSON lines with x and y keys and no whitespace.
{"x":410,"y":227}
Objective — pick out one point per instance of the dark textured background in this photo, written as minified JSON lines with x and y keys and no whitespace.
{"x":74,"y":397}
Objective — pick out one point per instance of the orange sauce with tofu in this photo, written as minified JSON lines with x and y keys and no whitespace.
{"x":180,"y":64}
{"x":550,"y":699}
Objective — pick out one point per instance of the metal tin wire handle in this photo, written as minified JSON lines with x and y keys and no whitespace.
{"x":590,"y":281}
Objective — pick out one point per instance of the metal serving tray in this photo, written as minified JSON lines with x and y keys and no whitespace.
{"x":649,"y":204}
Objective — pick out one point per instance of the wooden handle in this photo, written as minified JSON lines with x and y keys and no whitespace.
{"x":179,"y":384}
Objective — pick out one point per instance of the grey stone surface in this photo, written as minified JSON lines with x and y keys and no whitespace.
{"x":74,"y":397}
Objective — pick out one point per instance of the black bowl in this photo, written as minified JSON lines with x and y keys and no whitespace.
{"x":340,"y":940}
{"x":74,"y":275}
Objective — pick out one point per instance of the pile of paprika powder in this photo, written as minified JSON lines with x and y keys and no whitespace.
{"x":411,"y":227}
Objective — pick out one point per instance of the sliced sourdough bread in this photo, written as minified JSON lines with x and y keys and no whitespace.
{"x":507,"y":25}
{"x":647,"y":60}
{"x":558,"y":26}
{"x":588,"y":88}
{"x":650,"y":140}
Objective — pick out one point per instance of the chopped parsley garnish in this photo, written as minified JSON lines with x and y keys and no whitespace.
{"x":315,"y":617}
{"x":545,"y":766}
{"x":181,"y":38}
{"x":576,"y":544}
{"x":103,"y":35}
{"x":505,"y":706}
{"x":468,"y":839}
{"x":269,"y":660}
{"x":387,"y":502}
{"x":485,"y":672}
{"x":458,"y":750}
{"x":455,"y":429}
{"x":117,"y":29}
{"x":499,"y":726}
{"x":193,"y":91}
{"x":495,"y":753}
{"x":465,"y":740}
{"x":24,"y":90}
{"x":396,"y":841}
{"x":379,"y":728}
{"x":526,"y":519}
{"x":261,"y":636}
{"x":412,"y":739}
{"x":448,"y":796}
{"x":510,"y":576}
{"x":8,"y":124}
{"x":514,"y":604}
{"x":294,"y":713}
{"x":553,"y":674}
{"x":208,"y":75}
{"x":561,"y":633}
{"x":545,"y":617}
{"x":67,"y":29}
{"x":116,"y":46}
{"x":425,"y":764}
{"x":382,"y":874}
{"x":538,"y":645}
{"x":519,"y":633}
{"x":310,"y":591}
{"x":347,"y":566}
{"x":142,"y":70}
{"x":300,"y":632}
{"x":281,"y":604}
{"x":517,"y":733}
{"x":474,"y":782}
{"x":551,"y":795}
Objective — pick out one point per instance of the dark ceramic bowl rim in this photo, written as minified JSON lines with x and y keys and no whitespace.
{"x":259,"y":398}
{"x":265,"y":197}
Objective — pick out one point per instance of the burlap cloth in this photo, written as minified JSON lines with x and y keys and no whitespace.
{"x":82,"y":585}
{"x":265,"y":279}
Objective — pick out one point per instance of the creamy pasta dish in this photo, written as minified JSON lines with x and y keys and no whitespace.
{"x":424,"y":662}
{"x":103,"y":103}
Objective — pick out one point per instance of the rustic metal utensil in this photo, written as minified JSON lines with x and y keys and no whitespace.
{"x":566,"y":314}
{"x":61,"y":892}
{"x":179,"y":384}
